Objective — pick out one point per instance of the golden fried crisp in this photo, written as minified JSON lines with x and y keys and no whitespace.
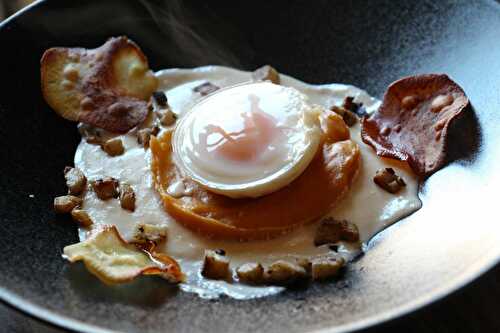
{"x":112,"y":260}
{"x":107,"y":87}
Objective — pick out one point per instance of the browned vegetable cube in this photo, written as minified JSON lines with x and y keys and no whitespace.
{"x":388,"y":180}
{"x":146,"y":232}
{"x":127,"y":197}
{"x":349,"y":231}
{"x":66,"y":203}
{"x":216,"y":265}
{"x":167,"y":117}
{"x":331,"y":231}
{"x":266,"y":73}
{"x":75,"y":180}
{"x":114,"y":147}
{"x":160,"y":98}
{"x":105,"y":188}
{"x":250,"y":273}
{"x":81,"y":217}
{"x":357,"y":108}
{"x":284,"y":273}
{"x":325,"y":268}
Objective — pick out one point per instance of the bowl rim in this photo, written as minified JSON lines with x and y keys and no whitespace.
{"x":58,"y":321}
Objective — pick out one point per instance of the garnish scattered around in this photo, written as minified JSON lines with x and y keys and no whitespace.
{"x":388,"y":180}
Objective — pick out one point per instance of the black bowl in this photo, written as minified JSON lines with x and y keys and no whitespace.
{"x":453,"y":239}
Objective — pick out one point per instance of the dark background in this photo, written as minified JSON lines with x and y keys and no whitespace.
{"x":472,"y":309}
{"x":8,"y":7}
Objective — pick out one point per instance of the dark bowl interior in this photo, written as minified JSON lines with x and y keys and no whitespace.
{"x":450,"y":241}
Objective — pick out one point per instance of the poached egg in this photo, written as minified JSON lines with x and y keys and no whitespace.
{"x":248,"y":140}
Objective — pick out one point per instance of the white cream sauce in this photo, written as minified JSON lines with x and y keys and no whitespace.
{"x":366,"y":205}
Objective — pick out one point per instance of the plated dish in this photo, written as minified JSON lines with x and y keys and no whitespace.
{"x":231,"y":182}
{"x":415,"y":262}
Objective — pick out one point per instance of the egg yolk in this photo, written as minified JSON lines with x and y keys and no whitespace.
{"x":257,"y":131}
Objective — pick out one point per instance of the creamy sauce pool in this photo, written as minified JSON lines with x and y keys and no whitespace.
{"x":366,"y":205}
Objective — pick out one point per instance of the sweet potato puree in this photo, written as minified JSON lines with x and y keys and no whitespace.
{"x":306,"y":199}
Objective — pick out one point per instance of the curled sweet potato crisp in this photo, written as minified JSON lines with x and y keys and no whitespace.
{"x":413,"y":121}
{"x":113,"y":260}
{"x":107,"y":87}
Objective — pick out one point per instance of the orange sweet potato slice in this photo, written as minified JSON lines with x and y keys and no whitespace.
{"x":413,"y":121}
{"x":107,"y":87}
{"x":306,"y":199}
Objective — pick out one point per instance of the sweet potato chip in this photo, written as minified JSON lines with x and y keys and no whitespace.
{"x":112,"y":260}
{"x":106,"y":87}
{"x":412,"y":122}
